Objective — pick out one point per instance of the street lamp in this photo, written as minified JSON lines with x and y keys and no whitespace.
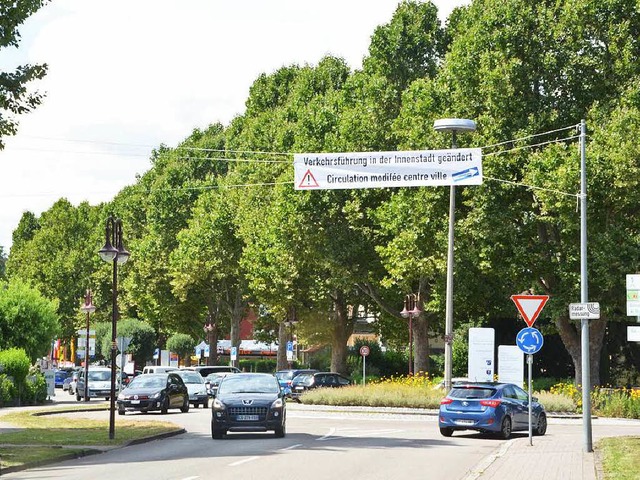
{"x":453,"y":125}
{"x":409,"y":311}
{"x":88,"y":308}
{"x":114,"y":254}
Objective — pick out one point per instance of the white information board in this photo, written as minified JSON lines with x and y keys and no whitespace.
{"x":511,"y":365}
{"x":424,"y":168}
{"x":633,"y":334}
{"x":481,"y":354}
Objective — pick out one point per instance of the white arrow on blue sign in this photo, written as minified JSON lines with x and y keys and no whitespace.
{"x":529,"y":340}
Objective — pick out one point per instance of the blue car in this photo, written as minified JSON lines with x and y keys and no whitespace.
{"x":490,"y":407}
{"x":60,"y":377}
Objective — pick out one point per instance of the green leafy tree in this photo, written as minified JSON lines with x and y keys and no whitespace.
{"x":27,"y":319}
{"x":182,"y":344}
{"x":3,"y":262}
{"x":15,"y":98}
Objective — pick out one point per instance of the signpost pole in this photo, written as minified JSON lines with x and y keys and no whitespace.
{"x":529,"y":366}
{"x":364,"y":370}
{"x":584,"y":296}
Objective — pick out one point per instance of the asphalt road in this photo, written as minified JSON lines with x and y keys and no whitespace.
{"x":318,"y":446}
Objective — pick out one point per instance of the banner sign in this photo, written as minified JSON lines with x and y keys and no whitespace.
{"x":425,"y":168}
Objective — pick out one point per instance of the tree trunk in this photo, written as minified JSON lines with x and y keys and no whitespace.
{"x":283,"y":338}
{"x":421,"y":344}
{"x":342,"y":330}
{"x":571,"y":337}
{"x":236,"y":317}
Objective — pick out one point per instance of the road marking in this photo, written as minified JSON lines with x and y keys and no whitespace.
{"x":245,"y":460}
{"x":332,"y":430}
{"x":480,"y":468}
{"x":190,"y":478}
{"x":290,"y":448}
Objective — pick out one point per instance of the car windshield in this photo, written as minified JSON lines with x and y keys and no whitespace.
{"x":284,"y":375}
{"x":470,"y":393}
{"x":248,"y":384}
{"x":100,"y":376}
{"x":148,"y":381}
{"x":304,"y":379}
{"x":191,"y":377}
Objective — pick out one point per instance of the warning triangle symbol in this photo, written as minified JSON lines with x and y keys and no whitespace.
{"x":530,"y":306}
{"x":308,"y":181}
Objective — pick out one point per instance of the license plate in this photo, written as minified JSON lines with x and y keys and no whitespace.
{"x":135,"y":402}
{"x":299,"y":388}
{"x":247,"y":418}
{"x":465,"y":422}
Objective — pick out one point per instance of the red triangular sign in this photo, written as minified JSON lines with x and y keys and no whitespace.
{"x":530,"y":306}
{"x":308,"y":181}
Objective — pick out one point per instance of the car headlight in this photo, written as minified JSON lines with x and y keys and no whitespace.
{"x":121,"y":396}
{"x":278,"y":403}
{"x":201,"y":392}
{"x":218,"y":405}
{"x":156,"y":395}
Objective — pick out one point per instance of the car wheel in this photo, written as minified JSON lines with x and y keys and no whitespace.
{"x":541,"y":428}
{"x":185,"y":406}
{"x":281,"y":431}
{"x":216,"y":433}
{"x":165,"y":405}
{"x":505,"y":428}
{"x":446,"y":432}
{"x":121,"y":411}
{"x":78,"y":397}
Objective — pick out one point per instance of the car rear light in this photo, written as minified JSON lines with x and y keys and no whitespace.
{"x":490,"y":403}
{"x":446,"y":401}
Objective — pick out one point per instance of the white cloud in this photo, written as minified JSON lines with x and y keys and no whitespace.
{"x":145,"y":72}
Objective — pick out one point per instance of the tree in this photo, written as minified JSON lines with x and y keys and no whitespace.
{"x":3,"y":262}
{"x":182,"y":344}
{"x":27,"y":319}
{"x":15,"y":99}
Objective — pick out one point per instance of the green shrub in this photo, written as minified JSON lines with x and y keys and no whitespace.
{"x":8,"y":391}
{"x":258,"y":365}
{"x":35,"y":390}
{"x":15,"y":363}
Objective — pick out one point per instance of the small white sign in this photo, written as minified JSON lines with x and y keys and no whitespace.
{"x":511,"y":365}
{"x":234,"y":354}
{"x":633,"y":334}
{"x":633,"y":281}
{"x":589,"y":311}
{"x":633,"y":309}
{"x":481,"y":351}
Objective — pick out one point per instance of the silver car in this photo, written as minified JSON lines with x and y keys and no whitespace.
{"x":195,"y":385}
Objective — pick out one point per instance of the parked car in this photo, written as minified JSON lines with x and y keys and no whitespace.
{"x":196,"y":387}
{"x":70,"y":383}
{"x":99,"y":383}
{"x":248,"y":402}
{"x":60,"y":377}
{"x":154,"y":391}
{"x":285,"y":378}
{"x":205,"y":370}
{"x":213,"y":380}
{"x":500,"y":408}
{"x":309,"y":381}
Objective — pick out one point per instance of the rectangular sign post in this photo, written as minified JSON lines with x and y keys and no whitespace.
{"x":425,"y":168}
{"x":590,"y":311}
{"x":481,"y":351}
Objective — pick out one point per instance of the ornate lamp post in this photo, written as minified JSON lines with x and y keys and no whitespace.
{"x":88,"y":308}
{"x":208,"y":328}
{"x":116,"y":255}
{"x":409,"y":311}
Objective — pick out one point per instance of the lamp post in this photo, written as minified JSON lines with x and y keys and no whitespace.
{"x":409,"y":311}
{"x":453,"y":125}
{"x":88,"y":308}
{"x":114,"y":254}
{"x":208,"y":328}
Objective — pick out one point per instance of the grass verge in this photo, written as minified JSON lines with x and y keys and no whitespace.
{"x":620,"y":458}
{"x":36,"y":431}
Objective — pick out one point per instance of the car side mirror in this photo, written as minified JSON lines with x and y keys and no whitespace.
{"x":534,"y":399}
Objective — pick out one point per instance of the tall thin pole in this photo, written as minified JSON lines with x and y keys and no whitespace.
{"x":114,"y":319}
{"x":86,"y":360}
{"x":410,"y":344}
{"x":584,"y":294}
{"x":448,"y":329}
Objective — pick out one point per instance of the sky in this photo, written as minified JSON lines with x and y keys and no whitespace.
{"x":128,"y":75}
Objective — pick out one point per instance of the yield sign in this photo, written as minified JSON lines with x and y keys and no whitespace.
{"x":530,"y":306}
{"x":308,"y":181}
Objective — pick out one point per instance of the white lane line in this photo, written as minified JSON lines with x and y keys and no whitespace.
{"x":245,"y":460}
{"x":190,"y":478}
{"x":486,"y":462}
{"x":290,"y":448}
{"x":332,"y":430}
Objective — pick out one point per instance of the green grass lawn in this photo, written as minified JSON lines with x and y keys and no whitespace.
{"x":620,"y":458}
{"x":41,"y":432}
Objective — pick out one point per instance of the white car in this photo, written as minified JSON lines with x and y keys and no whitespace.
{"x":197,"y":388}
{"x":99,"y":383}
